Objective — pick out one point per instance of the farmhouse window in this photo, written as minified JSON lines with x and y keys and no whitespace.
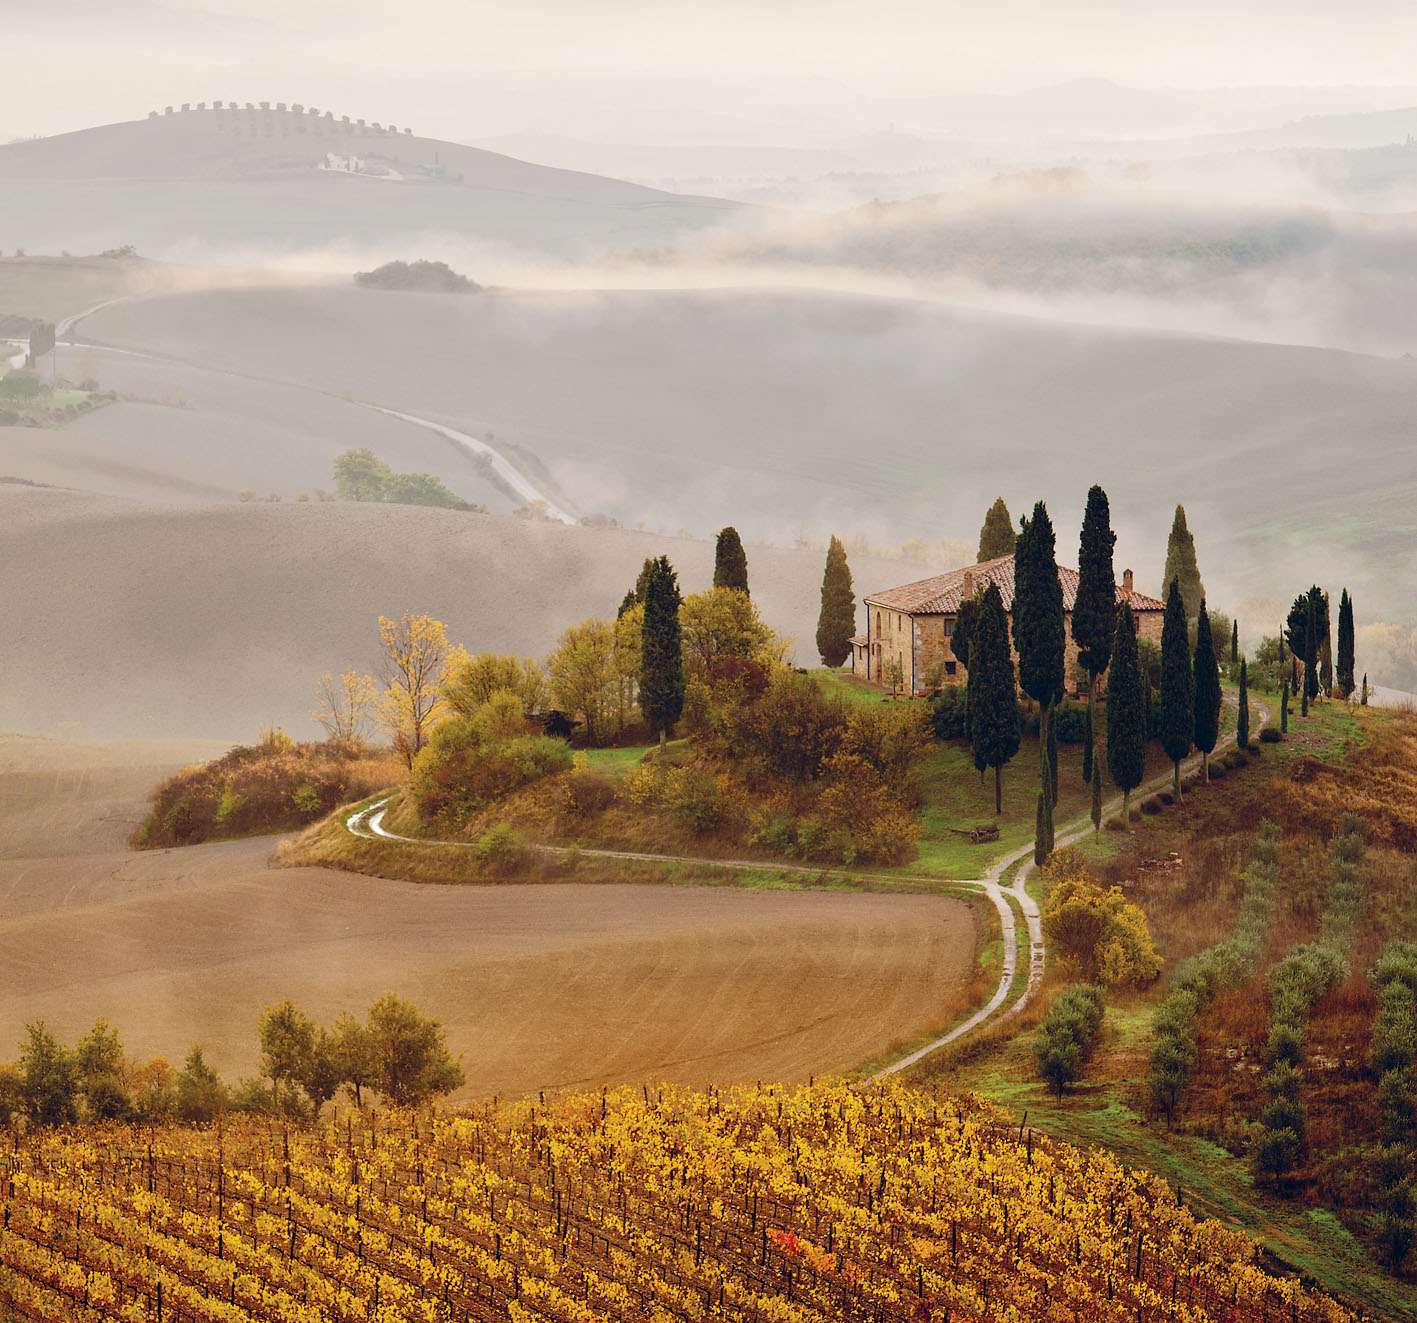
{"x":948,"y":627}
{"x":950,"y":667}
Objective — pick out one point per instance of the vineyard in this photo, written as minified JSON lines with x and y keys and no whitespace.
{"x":782,"y":1205}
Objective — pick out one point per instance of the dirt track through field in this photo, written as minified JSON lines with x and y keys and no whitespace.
{"x":539,"y":986}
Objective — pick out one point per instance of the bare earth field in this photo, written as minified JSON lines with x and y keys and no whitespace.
{"x":538,"y":986}
{"x":214,"y":620}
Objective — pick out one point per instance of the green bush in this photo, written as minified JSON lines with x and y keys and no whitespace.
{"x":1151,"y":806}
{"x":1270,"y":735}
{"x":459,"y":773}
{"x":503,"y":851}
{"x":1066,"y":1037}
{"x":947,"y":713}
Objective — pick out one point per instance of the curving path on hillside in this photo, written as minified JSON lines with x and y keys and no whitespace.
{"x":1004,"y":895}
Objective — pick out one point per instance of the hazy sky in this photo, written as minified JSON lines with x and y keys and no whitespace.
{"x":436,"y":63}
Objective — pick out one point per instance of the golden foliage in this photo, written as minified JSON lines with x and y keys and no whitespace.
{"x":1097,"y":932}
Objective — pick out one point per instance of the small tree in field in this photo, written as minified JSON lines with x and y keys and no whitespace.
{"x":287,"y":1038}
{"x":416,"y":659}
{"x":344,"y":706}
{"x":837,"y":621}
{"x":413,"y":1064}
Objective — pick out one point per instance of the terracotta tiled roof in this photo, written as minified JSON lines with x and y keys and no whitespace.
{"x":860,"y":639}
{"x":943,"y":594}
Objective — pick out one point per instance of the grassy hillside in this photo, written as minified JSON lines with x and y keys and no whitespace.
{"x":791,"y":1204}
{"x":205,"y":183}
{"x":875,"y":414}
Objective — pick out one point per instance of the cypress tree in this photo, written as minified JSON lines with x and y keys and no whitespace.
{"x":1311,"y":655}
{"x":1040,"y":635}
{"x":965,"y":620}
{"x":1206,"y":685}
{"x":1095,"y":607}
{"x":662,"y":655}
{"x":730,"y":561}
{"x":1234,"y":642}
{"x":837,"y":621}
{"x":993,"y":703}
{"x":1344,"y":668}
{"x":1178,"y":715}
{"x":1364,"y":699}
{"x":1323,"y":647}
{"x":1126,"y":711}
{"x":996,"y":537}
{"x":1242,"y":721}
{"x":1181,"y":565}
{"x":1284,"y":708}
{"x":628,"y":603}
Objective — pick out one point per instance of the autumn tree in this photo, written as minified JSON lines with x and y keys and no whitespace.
{"x":730,"y":561}
{"x":1181,"y":565}
{"x":472,"y":680}
{"x":360,"y":475}
{"x":344,"y":706}
{"x":993,"y":695}
{"x":996,"y":537}
{"x":412,"y":1061}
{"x":199,"y":1095}
{"x":1178,"y":711}
{"x":1205,"y":686}
{"x":287,"y":1037}
{"x":417,"y":656}
{"x":583,"y":676}
{"x":1127,"y":699}
{"x":662,"y":656}
{"x":837,"y":622}
{"x":720,"y":625}
{"x":50,"y":1078}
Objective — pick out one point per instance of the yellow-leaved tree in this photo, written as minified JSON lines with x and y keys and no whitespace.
{"x":344,"y":706}
{"x":583,"y":676}
{"x":474,"y":680}
{"x":417,"y":662}
{"x":1097,"y":933}
{"x":723,"y":625}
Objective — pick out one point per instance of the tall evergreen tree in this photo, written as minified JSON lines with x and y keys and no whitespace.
{"x":1323,"y":645}
{"x":1096,"y":796}
{"x":627,"y":603}
{"x":730,"y":561}
{"x":993,"y":704}
{"x":1242,"y":720}
{"x":1089,"y":750}
{"x":1178,"y":714}
{"x":1344,"y":669}
{"x":1284,"y":708}
{"x":1311,"y":654}
{"x":1040,"y":638}
{"x":961,"y":640}
{"x":1181,"y":565}
{"x":1095,"y":607}
{"x":1234,"y":642}
{"x":661,"y":651}
{"x":1127,"y":698}
{"x":1309,"y":611}
{"x":837,"y":621}
{"x":996,"y":538}
{"x":1206,"y":687}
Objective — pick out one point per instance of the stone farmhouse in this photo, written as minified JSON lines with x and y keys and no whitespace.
{"x":913,"y":624}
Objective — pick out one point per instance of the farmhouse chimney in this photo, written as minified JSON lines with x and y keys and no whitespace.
{"x":967,"y":588}
{"x":1127,"y":582}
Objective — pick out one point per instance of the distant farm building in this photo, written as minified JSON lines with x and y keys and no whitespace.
{"x":913,"y":624}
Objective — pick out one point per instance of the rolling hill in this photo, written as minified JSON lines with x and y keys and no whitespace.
{"x":784,"y":411}
{"x":207,"y":183}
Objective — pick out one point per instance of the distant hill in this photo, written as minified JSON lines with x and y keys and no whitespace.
{"x":206,"y":183}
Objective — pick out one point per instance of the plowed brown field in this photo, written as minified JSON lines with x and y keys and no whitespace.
{"x":538,"y":986}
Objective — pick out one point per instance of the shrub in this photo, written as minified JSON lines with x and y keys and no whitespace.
{"x":1099,"y":932}
{"x":1065,"y":1038}
{"x":1070,"y":721}
{"x":275,"y":785}
{"x":503,"y":850}
{"x":695,"y":798}
{"x":423,"y":276}
{"x":588,"y":793}
{"x":947,"y":713}
{"x":460,"y":772}
{"x":1270,"y":735}
{"x":1151,"y":806}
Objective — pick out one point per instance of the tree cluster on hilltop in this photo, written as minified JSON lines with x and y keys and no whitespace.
{"x":360,"y":475}
{"x":421,"y":276}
